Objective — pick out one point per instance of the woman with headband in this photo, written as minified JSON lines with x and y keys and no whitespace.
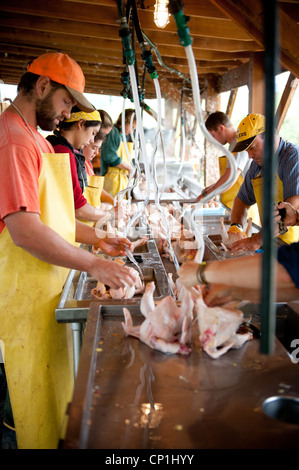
{"x":75,"y":133}
{"x":92,"y":151}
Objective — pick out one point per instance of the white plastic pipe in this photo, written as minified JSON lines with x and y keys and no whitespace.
{"x":196,"y":96}
{"x":183,"y":147}
{"x":121,"y":193}
{"x":157,"y":198}
{"x":140,"y":132}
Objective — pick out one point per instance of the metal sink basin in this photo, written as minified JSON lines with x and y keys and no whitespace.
{"x":284,"y":408}
{"x":213,"y":242}
{"x":76,"y":296}
{"x":85,"y":283}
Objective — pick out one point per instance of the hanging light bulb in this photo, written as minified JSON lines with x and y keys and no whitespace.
{"x":161,"y":14}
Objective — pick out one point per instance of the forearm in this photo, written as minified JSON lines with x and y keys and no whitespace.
{"x":294,"y":201}
{"x":30,"y":234}
{"x":124,"y":166}
{"x":90,"y":213}
{"x":209,"y":189}
{"x":221,"y":180}
{"x":86,"y":234}
{"x":239,"y":212}
{"x":225,"y":177}
{"x":105,"y":197}
{"x":239,"y":272}
{"x":244,"y":272}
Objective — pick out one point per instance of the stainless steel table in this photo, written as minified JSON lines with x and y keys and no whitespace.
{"x":128,"y":396}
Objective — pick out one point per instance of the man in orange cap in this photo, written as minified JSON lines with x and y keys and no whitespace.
{"x":250,"y":137}
{"x":38,"y":232}
{"x":63,"y":69}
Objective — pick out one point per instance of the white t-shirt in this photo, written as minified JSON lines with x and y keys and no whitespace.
{"x":243,"y":162}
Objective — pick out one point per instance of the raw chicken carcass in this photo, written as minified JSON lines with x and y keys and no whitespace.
{"x":184,"y":250}
{"x":177,"y":287}
{"x":234,"y":233}
{"x":111,"y":232}
{"x":156,"y":220}
{"x":218,"y":327}
{"x":102,"y":292}
{"x":139,"y":242}
{"x":166,"y":326}
{"x":128,"y":292}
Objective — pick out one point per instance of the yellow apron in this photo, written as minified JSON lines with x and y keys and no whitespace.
{"x":92,"y":194}
{"x":38,"y":350}
{"x":116,"y":179}
{"x":93,"y":191}
{"x":227,"y":198}
{"x":292,"y":234}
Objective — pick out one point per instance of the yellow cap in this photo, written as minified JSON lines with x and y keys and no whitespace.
{"x":249,"y":128}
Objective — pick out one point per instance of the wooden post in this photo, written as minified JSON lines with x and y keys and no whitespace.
{"x":256,"y":84}
{"x":286,"y":100}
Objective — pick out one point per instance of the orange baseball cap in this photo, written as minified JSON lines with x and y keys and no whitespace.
{"x":62,"y":69}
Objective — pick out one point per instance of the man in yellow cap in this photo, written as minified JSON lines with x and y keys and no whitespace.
{"x":38,"y":232}
{"x":250,"y":137}
{"x":221,"y":128}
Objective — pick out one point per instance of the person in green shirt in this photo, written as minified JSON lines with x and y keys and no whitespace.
{"x":115,"y":164}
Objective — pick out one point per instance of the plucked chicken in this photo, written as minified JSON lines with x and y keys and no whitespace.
{"x":103,"y":292}
{"x":166,"y":327}
{"x":218,"y":327}
{"x":234,"y":233}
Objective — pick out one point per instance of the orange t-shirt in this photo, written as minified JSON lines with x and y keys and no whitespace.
{"x":21,"y":163}
{"x":89,"y":168}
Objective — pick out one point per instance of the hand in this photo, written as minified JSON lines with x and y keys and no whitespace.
{"x":221,"y":294}
{"x":291,"y":214}
{"x":276,"y":218}
{"x":187,"y":274}
{"x":248,"y":244}
{"x":112,"y":273}
{"x":114,"y":246}
{"x":218,"y":294}
{"x":127,"y":167}
{"x":103,"y":218}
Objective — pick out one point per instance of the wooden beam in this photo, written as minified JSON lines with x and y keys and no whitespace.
{"x":201,"y":8}
{"x":105,"y":47}
{"x":231,"y":102}
{"x":257,"y":84}
{"x":249,"y":16}
{"x":108,"y":15}
{"x":234,"y":78}
{"x":286,"y":99}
